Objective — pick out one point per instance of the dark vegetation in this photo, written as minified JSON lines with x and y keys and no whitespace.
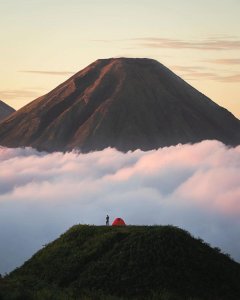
{"x":133,"y":262}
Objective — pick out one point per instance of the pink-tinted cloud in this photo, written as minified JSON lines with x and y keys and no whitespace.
{"x":42,"y":72}
{"x":196,"y":73}
{"x":230,"y":78}
{"x":217,"y":44}
{"x":225,"y":61}
{"x":19,"y":94}
{"x":195,"y":187}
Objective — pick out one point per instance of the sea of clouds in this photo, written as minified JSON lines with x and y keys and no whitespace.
{"x":195,"y":187}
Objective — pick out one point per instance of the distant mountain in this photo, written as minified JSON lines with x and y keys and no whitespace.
{"x":132,"y":262}
{"x":124,"y":103}
{"x":5,"y":110}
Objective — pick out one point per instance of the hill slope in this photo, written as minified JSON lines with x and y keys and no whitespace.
{"x":133,"y":262}
{"x":5,"y":110}
{"x":124,"y":103}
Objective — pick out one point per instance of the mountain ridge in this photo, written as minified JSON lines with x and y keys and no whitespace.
{"x":5,"y":110}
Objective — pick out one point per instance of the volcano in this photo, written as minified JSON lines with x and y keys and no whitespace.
{"x":5,"y":110}
{"x":126,"y":103}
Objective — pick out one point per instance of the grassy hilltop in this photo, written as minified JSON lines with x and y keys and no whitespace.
{"x":133,"y":262}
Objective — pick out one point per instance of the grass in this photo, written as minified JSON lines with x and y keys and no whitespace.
{"x":132,"y":262}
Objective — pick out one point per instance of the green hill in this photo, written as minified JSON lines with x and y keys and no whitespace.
{"x":133,"y":262}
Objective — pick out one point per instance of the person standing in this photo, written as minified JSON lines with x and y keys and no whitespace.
{"x":107,"y":220}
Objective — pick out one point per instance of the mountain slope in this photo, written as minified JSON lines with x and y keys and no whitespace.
{"x":124,"y":103}
{"x":133,"y":262}
{"x":5,"y":110}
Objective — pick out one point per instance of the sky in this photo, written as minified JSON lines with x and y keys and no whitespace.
{"x":44,"y":42}
{"x":195,"y":187}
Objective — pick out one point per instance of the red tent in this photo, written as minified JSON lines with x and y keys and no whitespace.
{"x":118,"y":222}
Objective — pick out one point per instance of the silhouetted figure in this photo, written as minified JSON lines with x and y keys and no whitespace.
{"x":107,"y":220}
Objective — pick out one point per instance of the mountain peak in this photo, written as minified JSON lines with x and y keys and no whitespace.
{"x":126,"y":103}
{"x":129,"y":60}
{"x":5,"y":110}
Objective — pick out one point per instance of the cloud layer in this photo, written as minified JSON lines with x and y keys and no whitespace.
{"x":13,"y":94}
{"x":41,"y":72}
{"x":214,"y":43}
{"x":225,"y":61}
{"x":196,"y":73}
{"x":195,"y":187}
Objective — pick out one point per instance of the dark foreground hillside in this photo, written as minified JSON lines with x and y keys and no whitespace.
{"x":155,"y":262}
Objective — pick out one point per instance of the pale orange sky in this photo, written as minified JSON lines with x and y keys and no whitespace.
{"x":43,"y":42}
